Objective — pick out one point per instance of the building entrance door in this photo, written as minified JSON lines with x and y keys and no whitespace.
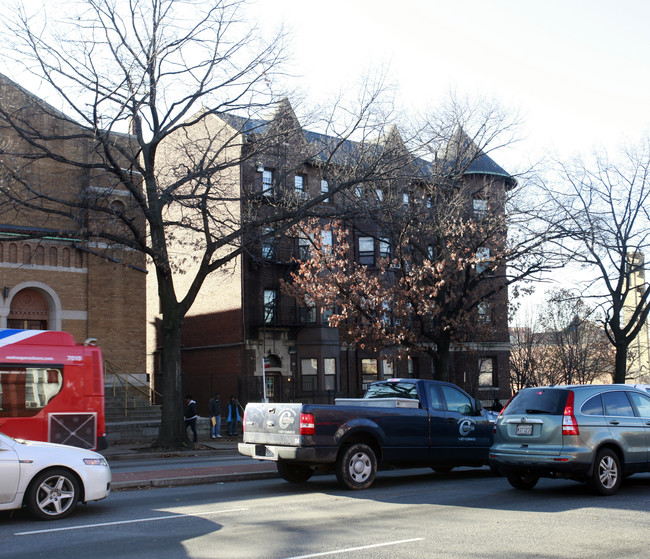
{"x":29,"y":311}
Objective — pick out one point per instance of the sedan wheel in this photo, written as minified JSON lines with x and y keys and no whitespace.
{"x":52,"y":494}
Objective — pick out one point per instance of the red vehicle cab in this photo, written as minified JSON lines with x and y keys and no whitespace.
{"x":51,"y":389}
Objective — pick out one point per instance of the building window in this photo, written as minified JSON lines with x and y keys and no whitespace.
{"x":268,"y":244}
{"x":54,"y":255}
{"x":329,"y":373}
{"x":387,"y":368}
{"x":484,"y":313}
{"x":380,"y":194}
{"x":486,"y":373}
{"x":367,"y":251}
{"x":368,"y":371}
{"x":410,"y":367}
{"x":483,"y":259}
{"x":358,"y":191}
{"x":39,"y":256}
{"x":326,"y":242}
{"x":270,"y":305}
{"x":429,"y":202}
{"x":304,"y":247}
{"x":13,"y":253}
{"x":325,"y":189}
{"x":308,"y":311}
{"x":267,"y":182}
{"x":327,"y":314}
{"x":405,"y":198}
{"x":308,"y":375}
{"x":480,"y":208}
{"x":299,"y":183}
{"x":384,"y":247}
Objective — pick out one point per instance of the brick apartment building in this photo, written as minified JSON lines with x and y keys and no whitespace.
{"x":50,"y":276}
{"x":243,"y":330}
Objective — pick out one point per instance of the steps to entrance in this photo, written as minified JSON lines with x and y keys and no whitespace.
{"x":138,"y":421}
{"x":130,"y":418}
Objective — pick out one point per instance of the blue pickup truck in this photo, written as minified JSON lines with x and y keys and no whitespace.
{"x":398,"y":422}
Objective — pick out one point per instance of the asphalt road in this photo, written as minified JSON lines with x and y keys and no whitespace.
{"x":406,"y":514}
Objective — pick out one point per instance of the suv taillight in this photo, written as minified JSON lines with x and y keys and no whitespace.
{"x":307,"y":424}
{"x":569,"y":423}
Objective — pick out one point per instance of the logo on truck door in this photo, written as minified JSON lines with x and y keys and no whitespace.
{"x":465,"y":427}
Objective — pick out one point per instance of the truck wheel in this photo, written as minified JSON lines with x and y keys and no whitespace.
{"x":522,"y":480}
{"x":606,"y":478}
{"x":356,"y":467}
{"x":295,"y":473}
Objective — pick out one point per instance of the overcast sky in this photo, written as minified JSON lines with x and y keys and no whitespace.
{"x":578,"y":71}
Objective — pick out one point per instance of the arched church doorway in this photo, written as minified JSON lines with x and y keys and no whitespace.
{"x":29,"y":311}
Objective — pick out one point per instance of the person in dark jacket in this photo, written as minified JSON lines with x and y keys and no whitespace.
{"x":233,"y":416}
{"x":190,"y":415}
{"x":214,"y":409}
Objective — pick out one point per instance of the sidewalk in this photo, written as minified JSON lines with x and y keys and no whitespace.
{"x":187,"y":475}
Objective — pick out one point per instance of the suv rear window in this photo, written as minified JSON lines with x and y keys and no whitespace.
{"x":549,"y":401}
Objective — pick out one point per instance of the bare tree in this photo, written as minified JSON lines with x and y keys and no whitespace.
{"x":579,"y":351}
{"x":606,"y":228}
{"x":170,"y":97}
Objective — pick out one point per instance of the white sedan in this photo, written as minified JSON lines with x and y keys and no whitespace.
{"x":50,"y":479}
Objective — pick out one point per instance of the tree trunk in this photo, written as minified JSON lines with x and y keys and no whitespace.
{"x":442,"y":359}
{"x":620,"y":363}
{"x":173,"y":434}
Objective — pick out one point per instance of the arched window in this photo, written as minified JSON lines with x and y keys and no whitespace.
{"x":54,"y":255}
{"x":27,"y":254}
{"x":13,"y":253}
{"x":65,"y":258}
{"x":39,"y":255}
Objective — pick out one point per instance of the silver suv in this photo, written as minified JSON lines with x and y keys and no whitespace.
{"x":592,"y":433}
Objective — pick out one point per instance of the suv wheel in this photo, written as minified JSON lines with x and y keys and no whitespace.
{"x":522,"y":480}
{"x":606,"y":477}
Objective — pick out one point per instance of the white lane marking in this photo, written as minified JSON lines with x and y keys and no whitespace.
{"x":117,"y":523}
{"x":350,"y":549}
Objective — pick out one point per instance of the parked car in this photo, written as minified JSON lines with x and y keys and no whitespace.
{"x":592,"y":433}
{"x":50,"y":479}
{"x":642,"y":387}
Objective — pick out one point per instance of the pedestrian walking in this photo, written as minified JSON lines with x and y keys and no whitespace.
{"x":233,"y":416}
{"x":214,"y":408}
{"x":190,"y":415}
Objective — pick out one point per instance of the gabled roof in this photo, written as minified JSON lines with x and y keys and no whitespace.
{"x":477,"y":161}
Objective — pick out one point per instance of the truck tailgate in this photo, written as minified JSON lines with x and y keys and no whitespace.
{"x":274,"y":424}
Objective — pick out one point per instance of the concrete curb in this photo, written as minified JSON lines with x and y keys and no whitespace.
{"x":191,"y":480}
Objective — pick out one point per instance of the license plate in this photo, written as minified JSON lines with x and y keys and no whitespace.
{"x":524,"y":429}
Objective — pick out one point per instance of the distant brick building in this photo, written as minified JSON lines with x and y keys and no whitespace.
{"x":243,"y":330}
{"x":50,"y":277}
